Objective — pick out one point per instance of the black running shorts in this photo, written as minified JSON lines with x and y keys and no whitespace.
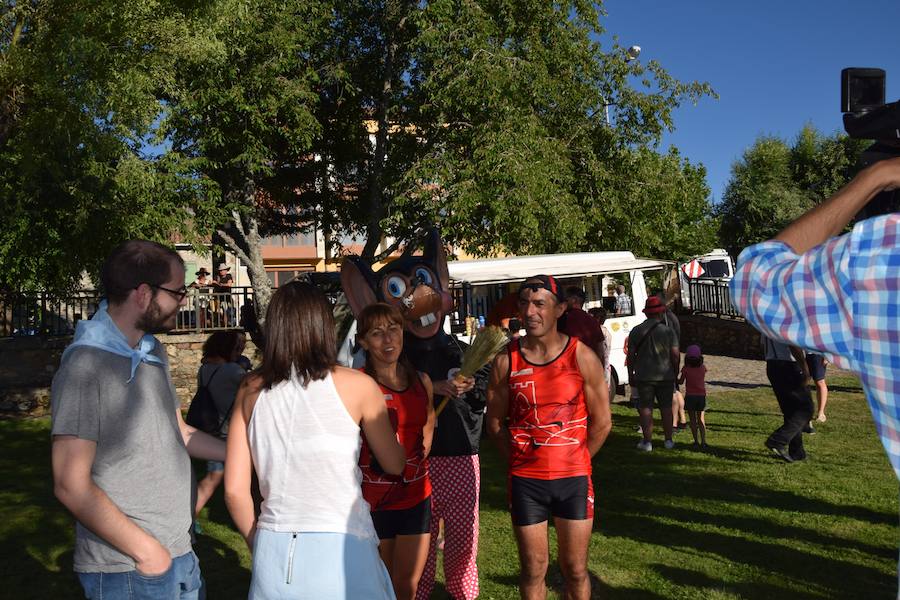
{"x":405,"y":521}
{"x":533,"y":501}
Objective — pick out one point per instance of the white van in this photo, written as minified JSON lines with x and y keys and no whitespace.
{"x":714,"y":267}
{"x":479,"y":284}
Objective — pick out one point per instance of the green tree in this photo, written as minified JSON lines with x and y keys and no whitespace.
{"x":500,"y":116}
{"x":78,"y":109}
{"x":380,"y":118}
{"x":241,"y":115}
{"x":774,"y":183}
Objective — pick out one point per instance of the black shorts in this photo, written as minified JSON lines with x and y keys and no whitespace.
{"x":533,"y":501}
{"x":816,"y":364}
{"x":695,"y":402}
{"x":415,"y":520}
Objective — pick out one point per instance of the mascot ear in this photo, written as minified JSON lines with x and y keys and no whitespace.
{"x":433,"y":253}
{"x":357,"y":279}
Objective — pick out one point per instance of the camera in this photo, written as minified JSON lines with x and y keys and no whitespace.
{"x":868,"y":117}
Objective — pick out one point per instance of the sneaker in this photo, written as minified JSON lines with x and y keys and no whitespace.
{"x":809,"y":428}
{"x":704,"y":446}
{"x":779,"y":451}
{"x":644,"y":446}
{"x":669,"y":444}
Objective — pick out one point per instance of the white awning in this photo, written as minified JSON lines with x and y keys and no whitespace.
{"x":517,"y":268}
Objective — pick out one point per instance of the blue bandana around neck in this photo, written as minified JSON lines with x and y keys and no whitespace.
{"x":101,"y":332}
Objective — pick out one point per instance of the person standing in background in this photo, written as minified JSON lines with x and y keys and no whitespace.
{"x":816,"y":364}
{"x":221,"y":374}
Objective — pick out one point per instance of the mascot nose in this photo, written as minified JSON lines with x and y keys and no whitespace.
{"x":421,"y":300}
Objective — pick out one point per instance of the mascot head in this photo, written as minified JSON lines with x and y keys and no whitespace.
{"x":417,"y":285}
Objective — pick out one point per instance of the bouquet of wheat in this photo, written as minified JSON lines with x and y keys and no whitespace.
{"x":485,"y":347}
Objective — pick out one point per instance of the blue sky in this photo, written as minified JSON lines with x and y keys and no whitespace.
{"x":775,"y":65}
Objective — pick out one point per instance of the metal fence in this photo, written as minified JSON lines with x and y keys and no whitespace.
{"x":43,"y":313}
{"x":712,"y":297}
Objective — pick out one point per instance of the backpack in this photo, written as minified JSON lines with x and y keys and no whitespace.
{"x":633,"y":352}
{"x":202,"y":413}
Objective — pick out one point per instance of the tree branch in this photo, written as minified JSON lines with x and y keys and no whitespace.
{"x":234,"y":246}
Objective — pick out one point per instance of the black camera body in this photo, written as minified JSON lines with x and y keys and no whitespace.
{"x":868,"y":117}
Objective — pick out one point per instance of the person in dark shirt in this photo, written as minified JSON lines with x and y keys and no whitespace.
{"x":653,"y":363}
{"x":578,"y":323}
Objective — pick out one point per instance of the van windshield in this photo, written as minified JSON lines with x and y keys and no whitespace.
{"x":602,"y":291}
{"x":716,"y":268}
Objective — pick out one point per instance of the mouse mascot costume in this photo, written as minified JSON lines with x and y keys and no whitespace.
{"x":419,"y":286}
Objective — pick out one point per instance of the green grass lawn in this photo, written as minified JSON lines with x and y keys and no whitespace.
{"x":729,"y":523}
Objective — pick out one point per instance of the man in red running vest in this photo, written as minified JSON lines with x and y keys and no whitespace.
{"x":548,"y":411}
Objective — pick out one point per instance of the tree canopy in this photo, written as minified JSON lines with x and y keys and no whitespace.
{"x":774,"y":183}
{"x":78,"y":109}
{"x":378,"y":118}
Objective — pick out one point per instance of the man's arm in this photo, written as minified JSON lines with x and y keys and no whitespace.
{"x":498,"y":403}
{"x":72,"y":459}
{"x":800,"y":358}
{"x":596,"y":397}
{"x":676,"y":356}
{"x":829,"y":218}
{"x":198,"y":443}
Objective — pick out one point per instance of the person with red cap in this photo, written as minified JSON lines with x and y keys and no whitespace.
{"x":653,"y":361}
{"x":548,"y":411}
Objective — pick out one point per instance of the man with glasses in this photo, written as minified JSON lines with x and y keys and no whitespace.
{"x":121,"y":451}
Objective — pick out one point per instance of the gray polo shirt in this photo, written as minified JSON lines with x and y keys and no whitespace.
{"x":141,"y":461}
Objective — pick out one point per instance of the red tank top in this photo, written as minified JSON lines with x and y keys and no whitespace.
{"x":408,"y":411}
{"x":547,"y":416}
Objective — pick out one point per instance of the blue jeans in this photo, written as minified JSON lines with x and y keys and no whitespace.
{"x":181,"y":582}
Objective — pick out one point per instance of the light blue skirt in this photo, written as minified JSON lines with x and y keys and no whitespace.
{"x":319,"y":566}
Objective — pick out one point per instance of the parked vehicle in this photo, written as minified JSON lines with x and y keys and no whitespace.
{"x":712,"y":268}
{"x":480,"y":284}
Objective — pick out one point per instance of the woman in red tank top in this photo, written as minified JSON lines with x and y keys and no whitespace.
{"x":401,"y":505}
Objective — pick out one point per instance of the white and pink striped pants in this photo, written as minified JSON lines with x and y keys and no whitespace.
{"x":455,"y":482}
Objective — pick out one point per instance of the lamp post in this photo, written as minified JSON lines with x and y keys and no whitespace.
{"x":631,"y":54}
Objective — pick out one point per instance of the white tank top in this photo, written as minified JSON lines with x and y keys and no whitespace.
{"x":305,"y":448}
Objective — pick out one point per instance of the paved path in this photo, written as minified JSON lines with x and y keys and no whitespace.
{"x":726,"y":374}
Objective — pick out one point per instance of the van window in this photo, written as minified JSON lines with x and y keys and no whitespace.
{"x":610,"y":300}
{"x":715,"y":268}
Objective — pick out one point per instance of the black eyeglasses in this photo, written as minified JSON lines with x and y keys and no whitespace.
{"x":179,"y":293}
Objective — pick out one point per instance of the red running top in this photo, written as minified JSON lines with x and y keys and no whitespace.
{"x":408,"y":411}
{"x":547,"y":416}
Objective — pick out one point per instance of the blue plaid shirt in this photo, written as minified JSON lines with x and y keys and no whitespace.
{"x":841,"y":298}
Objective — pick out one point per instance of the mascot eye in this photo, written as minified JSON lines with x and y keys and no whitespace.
{"x":396,"y":287}
{"x":424,"y":276}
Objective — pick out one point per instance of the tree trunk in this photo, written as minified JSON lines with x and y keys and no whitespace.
{"x":247,"y":245}
{"x":376,"y":200}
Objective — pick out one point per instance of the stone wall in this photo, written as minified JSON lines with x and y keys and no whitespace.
{"x":722,"y":337}
{"x":28,"y":363}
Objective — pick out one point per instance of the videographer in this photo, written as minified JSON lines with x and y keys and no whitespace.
{"x":839,"y":295}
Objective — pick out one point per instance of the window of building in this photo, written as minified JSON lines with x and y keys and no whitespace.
{"x":281,"y":276}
